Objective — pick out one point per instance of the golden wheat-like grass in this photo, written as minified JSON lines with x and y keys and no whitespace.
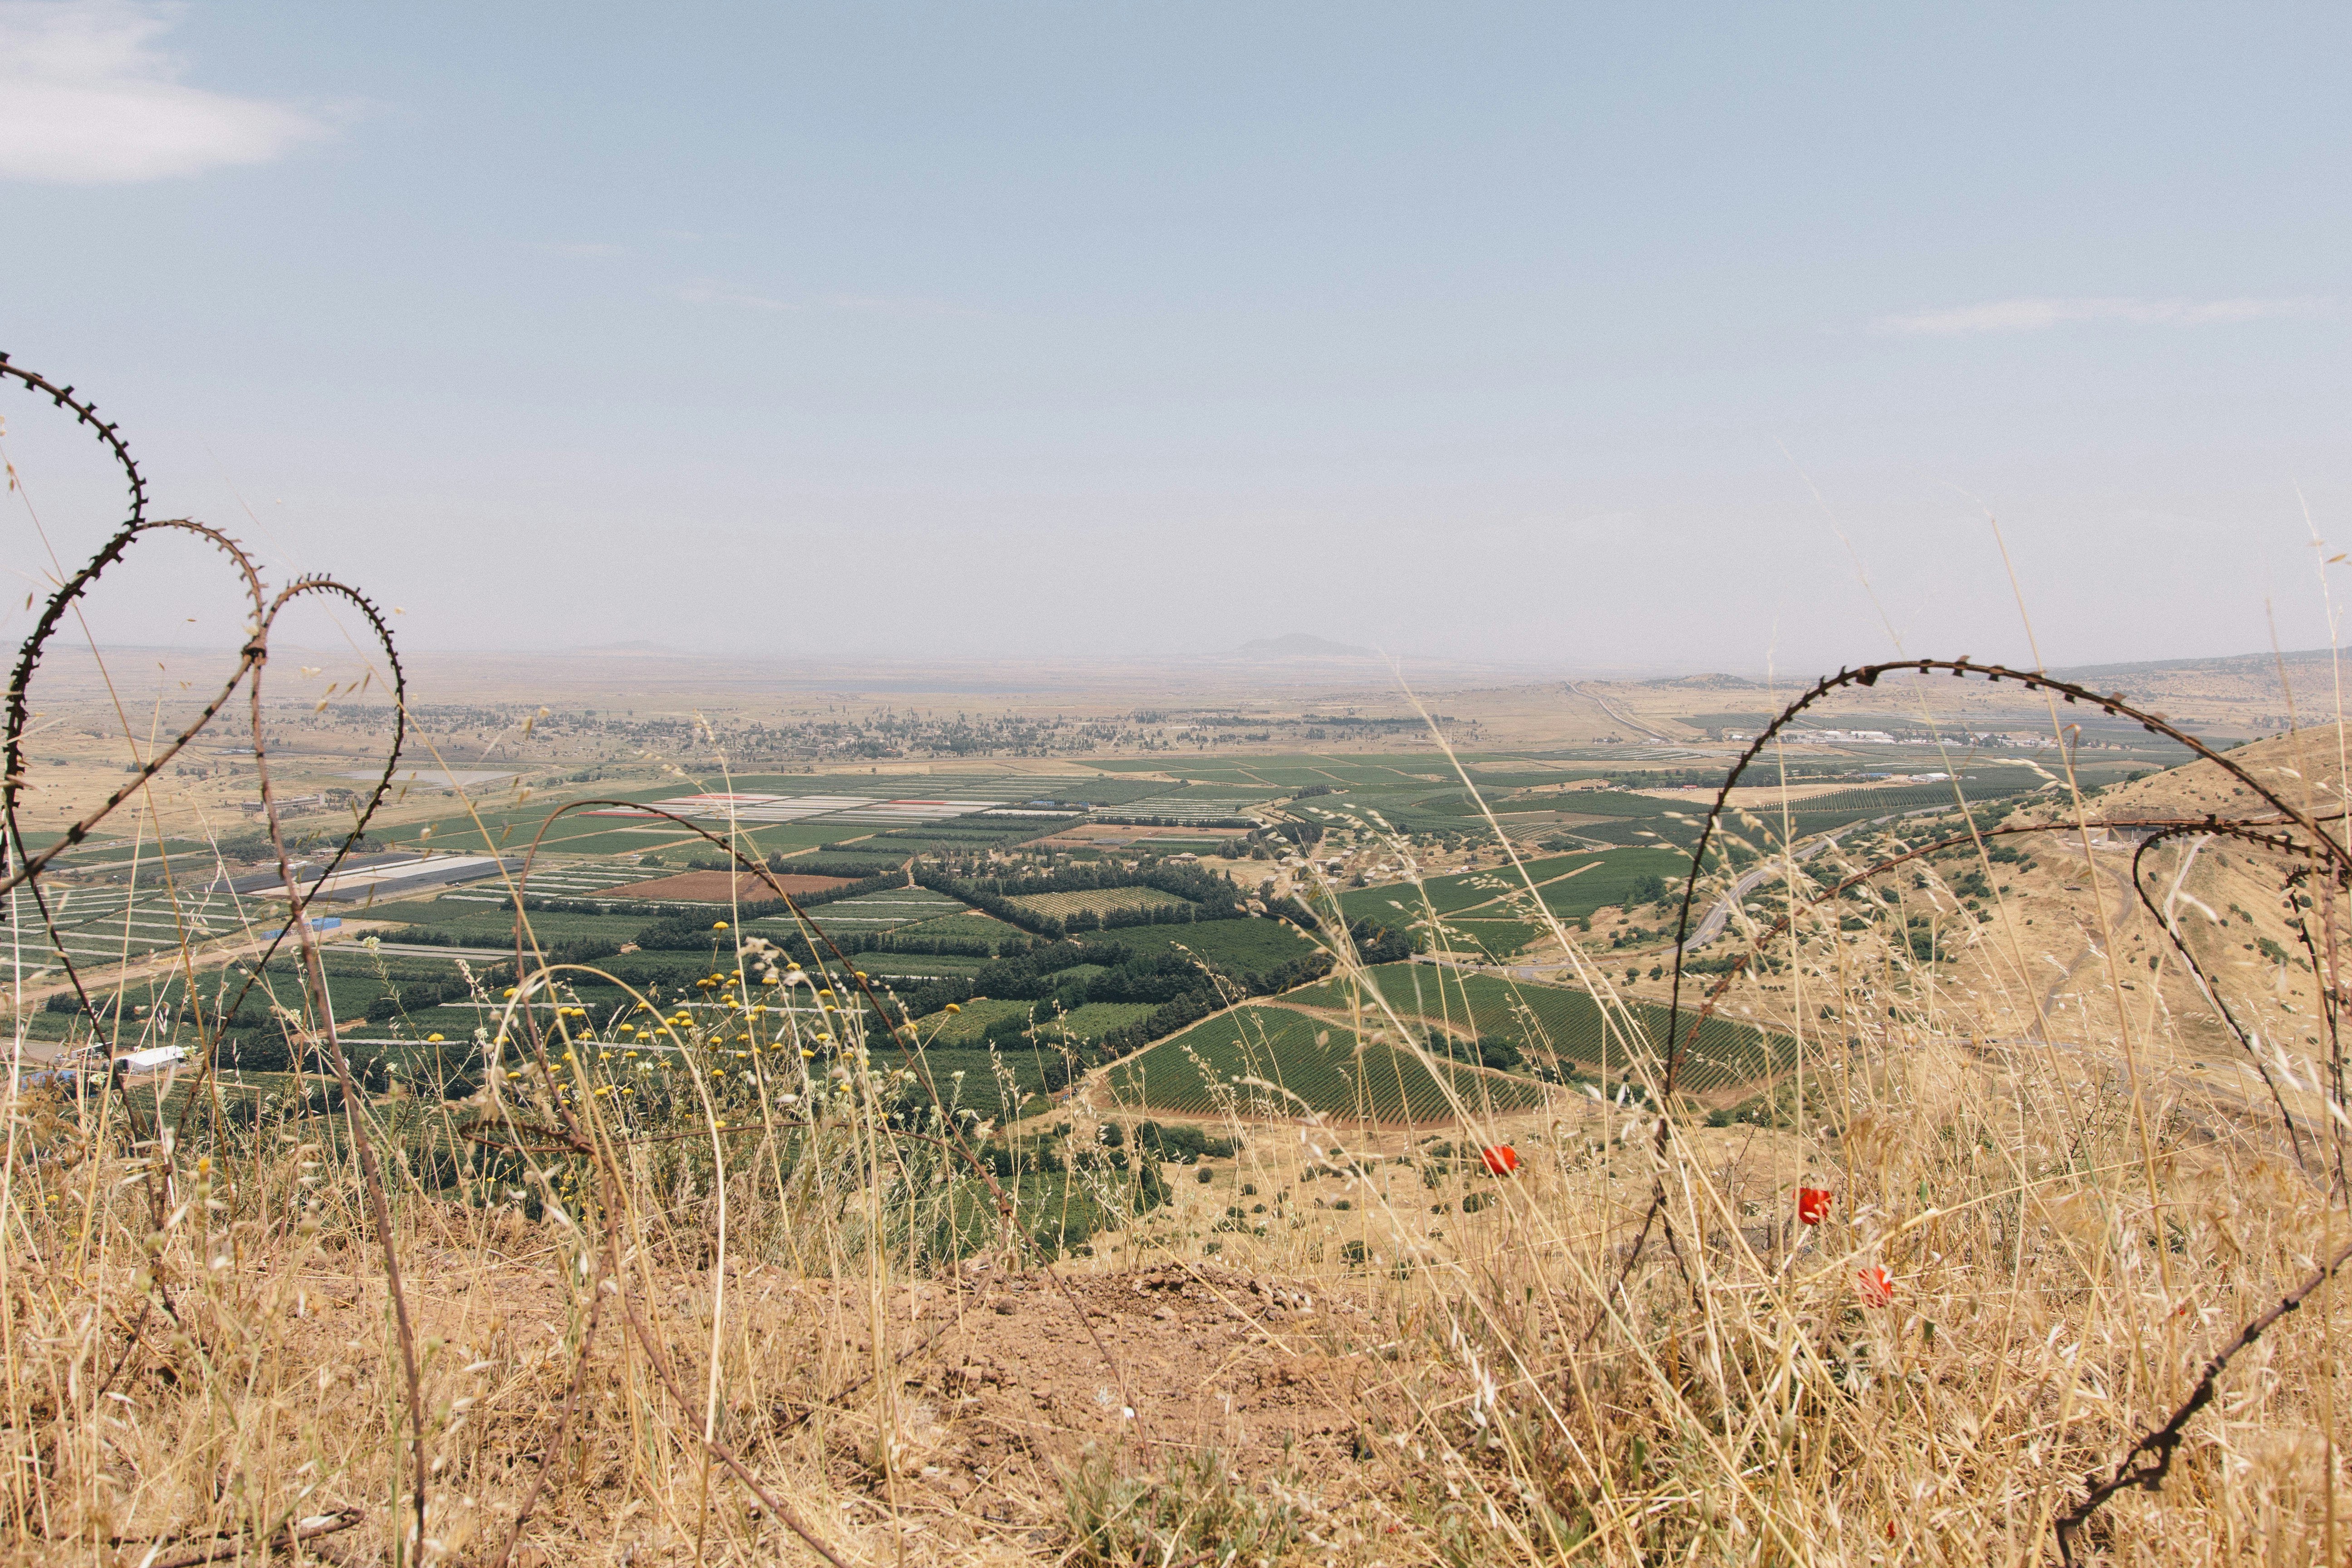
{"x":719,"y":1333}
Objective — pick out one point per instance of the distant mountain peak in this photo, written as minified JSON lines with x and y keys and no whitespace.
{"x":1300,"y":645}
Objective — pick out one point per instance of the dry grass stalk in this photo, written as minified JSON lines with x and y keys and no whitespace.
{"x":749,"y":1315}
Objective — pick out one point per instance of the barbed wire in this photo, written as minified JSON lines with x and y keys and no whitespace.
{"x":23,"y":867}
{"x":2293,"y":834}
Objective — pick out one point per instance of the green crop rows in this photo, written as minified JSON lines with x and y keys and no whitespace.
{"x":989,"y":1083}
{"x":1270,"y":1061}
{"x":1496,"y":939}
{"x":1241,"y":946}
{"x":1552,"y":1020}
{"x":1089,"y":1021}
{"x":1492,"y":908}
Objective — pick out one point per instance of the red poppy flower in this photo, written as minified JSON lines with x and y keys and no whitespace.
{"x":1500,"y":1161}
{"x":1877,"y":1287}
{"x":1814,"y":1204}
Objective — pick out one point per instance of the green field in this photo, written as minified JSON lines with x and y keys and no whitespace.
{"x":508,"y":820}
{"x":1492,"y":907}
{"x":1385,"y":810}
{"x":1425,"y":798}
{"x":1496,"y":938}
{"x":1548,"y":1021}
{"x":888,"y":909}
{"x":1241,"y":946}
{"x":1060,"y":1208}
{"x":968,"y":925}
{"x":1828,"y":813}
{"x":1456,"y":893}
{"x":1281,"y":775}
{"x":101,"y":925}
{"x":983,"y":1087}
{"x":492,"y":924}
{"x":966,"y":1026}
{"x":1582,"y":802}
{"x":184,"y":853}
{"x":503,"y":820}
{"x":1089,"y":1022}
{"x":1300,"y":1062}
{"x":386,"y":1006}
{"x":1093,"y":1020}
{"x":920,"y":966}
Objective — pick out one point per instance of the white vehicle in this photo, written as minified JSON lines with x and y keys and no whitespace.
{"x":150,"y":1061}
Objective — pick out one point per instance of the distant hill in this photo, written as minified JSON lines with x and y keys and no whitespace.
{"x":637,"y":645}
{"x":2259,"y":666}
{"x":1299,"y":645}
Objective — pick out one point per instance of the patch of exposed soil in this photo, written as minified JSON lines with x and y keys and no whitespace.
{"x":1018,"y":1387}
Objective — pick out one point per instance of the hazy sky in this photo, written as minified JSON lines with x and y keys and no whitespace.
{"x":1550,"y":333}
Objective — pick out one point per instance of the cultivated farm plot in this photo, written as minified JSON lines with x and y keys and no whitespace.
{"x":1857,"y":804}
{"x":1380,"y":810}
{"x":1620,"y":802}
{"x":914,"y":968}
{"x":1765,"y":827}
{"x":1613,"y":880}
{"x":1287,"y":771}
{"x":989,"y":1083}
{"x":1554,"y":1020}
{"x":1265,"y":1061}
{"x":977,"y":806}
{"x":1097,"y":901}
{"x":967,"y":925}
{"x":150,"y":854}
{"x":1610,"y":815}
{"x":569,"y":879}
{"x":766,"y":813}
{"x":1191,"y":809}
{"x":1090,"y":1021}
{"x":113,"y":924}
{"x":1241,"y":946}
{"x":158,"y":1009}
{"x":1492,"y":908}
{"x":897,"y":847}
{"x":1455,"y":894}
{"x":1498,"y":940}
{"x":1167,"y":842}
{"x":966,"y":1026}
{"x":886,"y":911}
{"x":1093,"y":1020}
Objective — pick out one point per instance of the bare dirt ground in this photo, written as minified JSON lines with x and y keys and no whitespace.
{"x":1205,"y":1358}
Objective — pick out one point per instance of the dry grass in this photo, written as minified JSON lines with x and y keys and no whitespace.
{"x":718,"y":1310}
{"x":1100,"y":901}
{"x":773,"y":1302}
{"x":717,"y":1328}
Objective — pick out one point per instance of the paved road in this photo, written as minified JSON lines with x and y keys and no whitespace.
{"x":434,"y":950}
{"x":1619,"y":714}
{"x":1710,"y":925}
{"x":1719,"y":914}
{"x":2126,"y":909}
